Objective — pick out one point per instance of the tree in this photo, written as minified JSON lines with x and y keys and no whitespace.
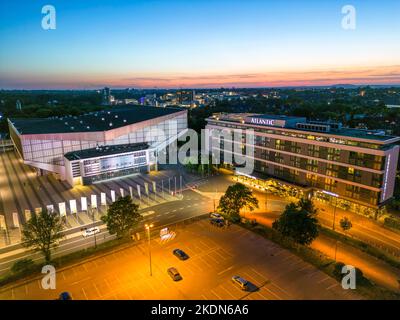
{"x":42,"y":233}
{"x":345,"y":224}
{"x":298,"y":224}
{"x":122,"y":217}
{"x":307,"y":205}
{"x":235,"y":198}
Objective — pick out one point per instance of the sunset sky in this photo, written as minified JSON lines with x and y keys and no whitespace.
{"x":172,"y":44}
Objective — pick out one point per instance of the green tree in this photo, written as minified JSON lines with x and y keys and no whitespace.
{"x":345,"y":224}
{"x":298,"y":224}
{"x":307,"y":205}
{"x":235,"y":198}
{"x":42,"y":233}
{"x":122,"y":217}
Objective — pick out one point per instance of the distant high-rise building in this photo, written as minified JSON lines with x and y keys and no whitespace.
{"x":18,"y":105}
{"x":107,"y":97}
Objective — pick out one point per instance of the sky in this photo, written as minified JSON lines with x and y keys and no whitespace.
{"x":197,"y":44}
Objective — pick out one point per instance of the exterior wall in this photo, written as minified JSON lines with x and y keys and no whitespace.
{"x":89,"y":170}
{"x":362,"y":174}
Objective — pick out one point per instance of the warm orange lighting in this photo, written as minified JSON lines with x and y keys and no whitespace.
{"x":148,"y":226}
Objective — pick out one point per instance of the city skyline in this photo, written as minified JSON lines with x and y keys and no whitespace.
{"x":148,"y":44}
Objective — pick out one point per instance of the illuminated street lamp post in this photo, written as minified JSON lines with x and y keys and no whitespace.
{"x":148,"y":227}
{"x":334,"y":215}
{"x":334,"y":208}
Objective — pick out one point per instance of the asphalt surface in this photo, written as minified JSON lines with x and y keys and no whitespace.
{"x":215,"y":255}
{"x":191,"y":205}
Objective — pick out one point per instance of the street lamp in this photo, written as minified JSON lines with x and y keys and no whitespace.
{"x":334,"y":208}
{"x":148,"y":227}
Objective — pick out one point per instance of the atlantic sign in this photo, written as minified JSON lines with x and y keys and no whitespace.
{"x":266,"y":122}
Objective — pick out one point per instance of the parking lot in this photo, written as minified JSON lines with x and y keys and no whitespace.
{"x":215,"y":255}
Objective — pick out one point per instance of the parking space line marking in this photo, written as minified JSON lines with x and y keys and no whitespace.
{"x":84,"y":293}
{"x":222,"y":287}
{"x":260,"y":293}
{"x":324,"y":279}
{"x":97,"y":290}
{"x":223,"y":271}
{"x":215,"y":294}
{"x":283,"y":290}
{"x":259,"y":274}
{"x":332,"y":286}
{"x":273,"y":293}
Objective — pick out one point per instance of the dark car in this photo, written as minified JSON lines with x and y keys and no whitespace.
{"x":217,"y":222}
{"x":180,"y":254}
{"x":65,"y":296}
{"x":174,"y":274}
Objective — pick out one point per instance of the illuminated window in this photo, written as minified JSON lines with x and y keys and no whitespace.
{"x":350,"y":170}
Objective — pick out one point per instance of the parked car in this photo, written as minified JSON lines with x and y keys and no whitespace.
{"x":65,"y":296}
{"x":180,"y":254}
{"x":216,"y":216}
{"x":90,"y":232}
{"x":217,"y":222}
{"x":174,"y":274}
{"x":240,"y":282}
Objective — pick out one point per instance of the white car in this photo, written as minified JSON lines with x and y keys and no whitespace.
{"x":215,"y":215}
{"x":90,"y":232}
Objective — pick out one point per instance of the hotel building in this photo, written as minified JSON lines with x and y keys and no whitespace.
{"x":330,"y":162}
{"x":98,"y":145}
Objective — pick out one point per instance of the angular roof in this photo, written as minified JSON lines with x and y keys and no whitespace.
{"x":91,"y":122}
{"x":105,"y":151}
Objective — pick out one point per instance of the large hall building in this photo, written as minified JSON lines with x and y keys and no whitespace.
{"x":98,"y":145}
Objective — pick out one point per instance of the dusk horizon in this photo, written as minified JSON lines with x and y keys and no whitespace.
{"x":171,"y":45}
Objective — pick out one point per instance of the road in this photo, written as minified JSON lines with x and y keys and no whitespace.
{"x":191,"y":205}
{"x":364,"y":229}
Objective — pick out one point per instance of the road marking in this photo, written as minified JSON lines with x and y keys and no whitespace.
{"x":97,"y":290}
{"x":79,"y":281}
{"x":223,"y":271}
{"x":215,"y":294}
{"x":332,"y":286}
{"x":324,"y":279}
{"x":273,"y":293}
{"x":84,"y":293}
{"x":222,"y":287}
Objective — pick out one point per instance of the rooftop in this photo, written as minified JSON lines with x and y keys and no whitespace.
{"x":105,"y":151}
{"x":93,"y":121}
{"x":377,"y":135}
